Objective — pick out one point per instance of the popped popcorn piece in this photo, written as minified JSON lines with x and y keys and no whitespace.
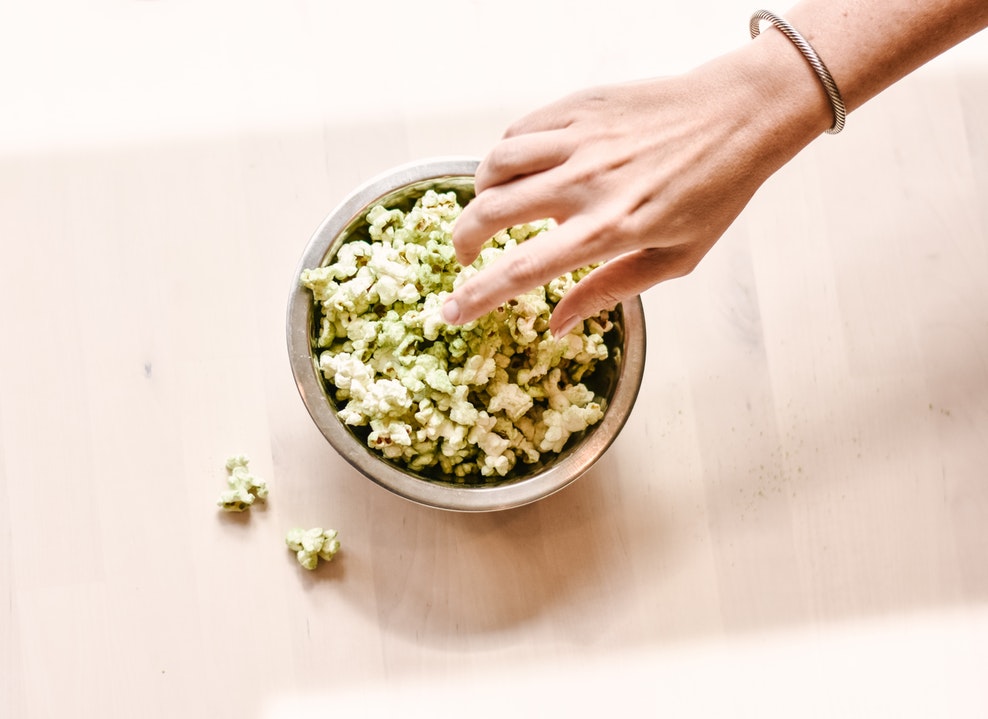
{"x":311,"y":545}
{"x":243,"y":487}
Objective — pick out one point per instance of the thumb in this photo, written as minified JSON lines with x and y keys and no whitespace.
{"x":619,"y":279}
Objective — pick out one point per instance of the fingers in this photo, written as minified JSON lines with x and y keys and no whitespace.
{"x":515,"y":183}
{"x":526,"y":199}
{"x":508,"y":192}
{"x":522,"y":155}
{"x":620,"y":279}
{"x":531,"y":264}
{"x":561,"y":113}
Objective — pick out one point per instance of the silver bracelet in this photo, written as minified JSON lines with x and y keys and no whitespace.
{"x":836,"y":101}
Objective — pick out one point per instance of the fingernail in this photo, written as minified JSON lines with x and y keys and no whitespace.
{"x":566,"y":326}
{"x":451,"y":312}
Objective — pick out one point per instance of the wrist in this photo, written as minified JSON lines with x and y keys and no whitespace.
{"x":786,"y":105}
{"x":811,"y":57}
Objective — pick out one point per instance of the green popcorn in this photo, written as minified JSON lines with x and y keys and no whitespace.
{"x":243,"y":487}
{"x":311,"y":545}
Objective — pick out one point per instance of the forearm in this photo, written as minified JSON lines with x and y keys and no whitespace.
{"x":867,"y":45}
{"x":870,"y":44}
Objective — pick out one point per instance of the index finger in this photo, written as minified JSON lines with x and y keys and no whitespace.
{"x":554,"y":116}
{"x":521,"y":155}
{"x":531,"y":264}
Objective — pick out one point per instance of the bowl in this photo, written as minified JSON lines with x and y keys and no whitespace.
{"x":617,"y":379}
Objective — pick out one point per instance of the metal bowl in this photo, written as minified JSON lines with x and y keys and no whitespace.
{"x":617,"y":379}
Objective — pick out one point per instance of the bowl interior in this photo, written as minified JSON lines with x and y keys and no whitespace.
{"x":616,"y":379}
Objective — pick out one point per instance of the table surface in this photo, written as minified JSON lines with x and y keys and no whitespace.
{"x":793,"y":520}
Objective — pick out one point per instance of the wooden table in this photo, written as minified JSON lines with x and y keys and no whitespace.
{"x":793,"y":522}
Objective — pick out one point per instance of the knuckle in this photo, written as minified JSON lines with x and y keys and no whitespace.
{"x":468,"y":295}
{"x":489,"y":209}
{"x":669,"y":263}
{"x":500,"y":160}
{"x":615,"y":230}
{"x":600,"y":297}
{"x":523,"y":271}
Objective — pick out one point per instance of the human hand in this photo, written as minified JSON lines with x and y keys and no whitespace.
{"x":644,"y":177}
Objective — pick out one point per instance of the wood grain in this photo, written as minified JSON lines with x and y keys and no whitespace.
{"x":808,"y":453}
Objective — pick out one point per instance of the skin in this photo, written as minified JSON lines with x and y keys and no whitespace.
{"x":646,"y":176}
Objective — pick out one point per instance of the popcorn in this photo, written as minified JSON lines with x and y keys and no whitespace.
{"x":471,"y":402}
{"x":311,"y":545}
{"x":243,"y":488}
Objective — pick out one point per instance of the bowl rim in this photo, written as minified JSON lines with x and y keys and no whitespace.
{"x":480,"y":498}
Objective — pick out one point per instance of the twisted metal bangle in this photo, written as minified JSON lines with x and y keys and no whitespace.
{"x":836,"y":101}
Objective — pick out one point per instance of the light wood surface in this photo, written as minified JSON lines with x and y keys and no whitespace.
{"x":794,"y":521}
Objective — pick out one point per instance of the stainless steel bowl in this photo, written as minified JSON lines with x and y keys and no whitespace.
{"x":618,"y":379}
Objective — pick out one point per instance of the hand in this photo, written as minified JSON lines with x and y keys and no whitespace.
{"x":644,"y":176}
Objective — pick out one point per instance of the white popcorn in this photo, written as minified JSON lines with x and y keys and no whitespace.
{"x":311,"y":545}
{"x":243,"y":488}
